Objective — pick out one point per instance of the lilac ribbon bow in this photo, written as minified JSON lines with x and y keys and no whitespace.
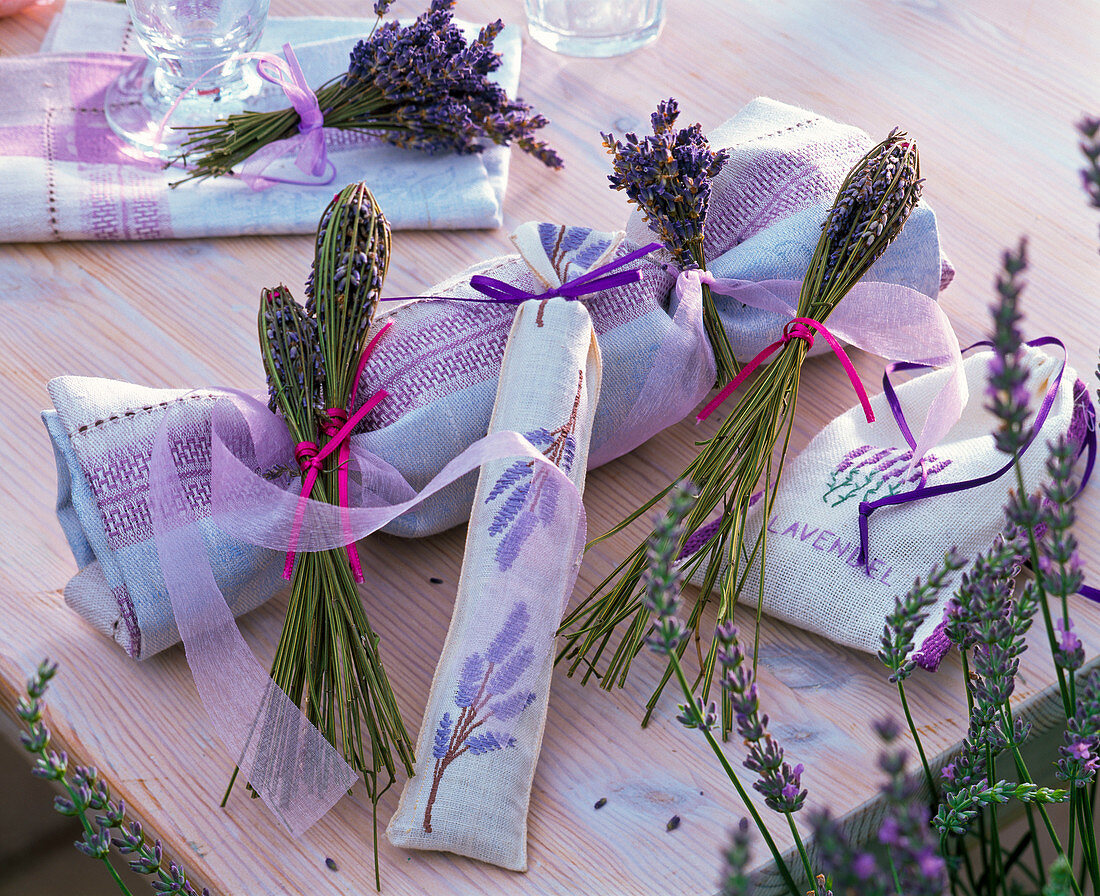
{"x":309,"y":142}
{"x":606,"y":276}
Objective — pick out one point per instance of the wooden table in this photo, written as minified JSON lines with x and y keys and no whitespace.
{"x":990,"y":90}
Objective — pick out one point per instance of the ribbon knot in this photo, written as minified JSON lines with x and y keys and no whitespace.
{"x":338,"y":426}
{"x":798,"y":328}
{"x":309,"y":142}
{"x":606,"y":276}
{"x":305,"y":453}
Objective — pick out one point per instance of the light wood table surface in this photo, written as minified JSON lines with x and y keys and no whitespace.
{"x":989,"y":89}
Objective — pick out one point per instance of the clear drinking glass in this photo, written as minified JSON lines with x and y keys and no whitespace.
{"x":594,"y":27}
{"x":186,"y":40}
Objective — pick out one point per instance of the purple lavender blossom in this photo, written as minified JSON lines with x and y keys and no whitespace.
{"x":909,"y":613}
{"x":430,"y":90}
{"x":1007,"y":393}
{"x":1081,"y":751}
{"x":778,"y":782}
{"x":667,"y":175}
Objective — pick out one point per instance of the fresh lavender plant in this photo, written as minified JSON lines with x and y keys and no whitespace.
{"x":87,"y":792}
{"x":1089,"y":128}
{"x":778,"y":782}
{"x":667,"y":175}
{"x":1007,"y":390}
{"x":735,"y":877}
{"x":901,"y":626}
{"x":420,"y":86}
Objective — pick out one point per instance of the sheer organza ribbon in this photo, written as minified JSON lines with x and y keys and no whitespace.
{"x":308,"y":144}
{"x":299,"y":775}
{"x":798,"y":328}
{"x":895,"y":322}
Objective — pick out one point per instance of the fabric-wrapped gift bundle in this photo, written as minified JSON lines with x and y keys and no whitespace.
{"x":855,"y":521}
{"x":440,"y":364}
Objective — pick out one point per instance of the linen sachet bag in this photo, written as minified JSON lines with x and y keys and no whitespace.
{"x":441,"y":359}
{"x":814,"y":577}
{"x":482,"y":729}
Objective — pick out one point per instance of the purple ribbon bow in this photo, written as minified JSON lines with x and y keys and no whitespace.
{"x":606,"y":276}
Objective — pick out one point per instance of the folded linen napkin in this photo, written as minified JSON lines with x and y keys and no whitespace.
{"x":440,"y":361}
{"x":67,"y":176}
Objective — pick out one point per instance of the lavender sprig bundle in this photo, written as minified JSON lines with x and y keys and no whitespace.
{"x":421,"y":86}
{"x":327,"y":659}
{"x":667,"y":175}
{"x":87,"y":792}
{"x":874,"y":201}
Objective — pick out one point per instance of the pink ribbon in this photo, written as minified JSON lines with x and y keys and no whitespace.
{"x":799,"y":328}
{"x":895,"y":322}
{"x":308,"y":143}
{"x":311,"y":460}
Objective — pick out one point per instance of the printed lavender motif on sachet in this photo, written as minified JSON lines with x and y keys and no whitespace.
{"x":572,"y":250}
{"x":866,"y":473}
{"x":489,"y":693}
{"x":528,"y":497}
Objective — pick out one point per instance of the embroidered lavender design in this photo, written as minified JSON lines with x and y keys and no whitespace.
{"x":488,"y":692}
{"x":528,"y":496}
{"x":869,"y":474}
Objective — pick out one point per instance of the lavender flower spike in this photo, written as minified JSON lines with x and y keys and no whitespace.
{"x":661,"y":580}
{"x":1007,"y":390}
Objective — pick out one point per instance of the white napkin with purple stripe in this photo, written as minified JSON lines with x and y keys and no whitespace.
{"x":66,"y":177}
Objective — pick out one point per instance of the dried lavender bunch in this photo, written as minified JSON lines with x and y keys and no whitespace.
{"x":667,"y":175}
{"x":86,"y":792}
{"x":292,"y":360}
{"x":328,"y":658}
{"x":873,"y":204}
{"x":421,"y":86}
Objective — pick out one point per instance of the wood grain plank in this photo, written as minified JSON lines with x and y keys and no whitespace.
{"x":990,"y":90}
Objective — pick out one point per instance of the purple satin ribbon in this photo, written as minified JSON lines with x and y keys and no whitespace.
{"x":308,"y":143}
{"x":923,"y":490}
{"x":606,"y":276}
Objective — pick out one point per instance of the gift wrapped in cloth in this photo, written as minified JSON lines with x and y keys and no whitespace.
{"x":439,"y":362}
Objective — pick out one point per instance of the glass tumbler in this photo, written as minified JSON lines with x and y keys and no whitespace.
{"x":594,"y":27}
{"x":191,"y":45}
